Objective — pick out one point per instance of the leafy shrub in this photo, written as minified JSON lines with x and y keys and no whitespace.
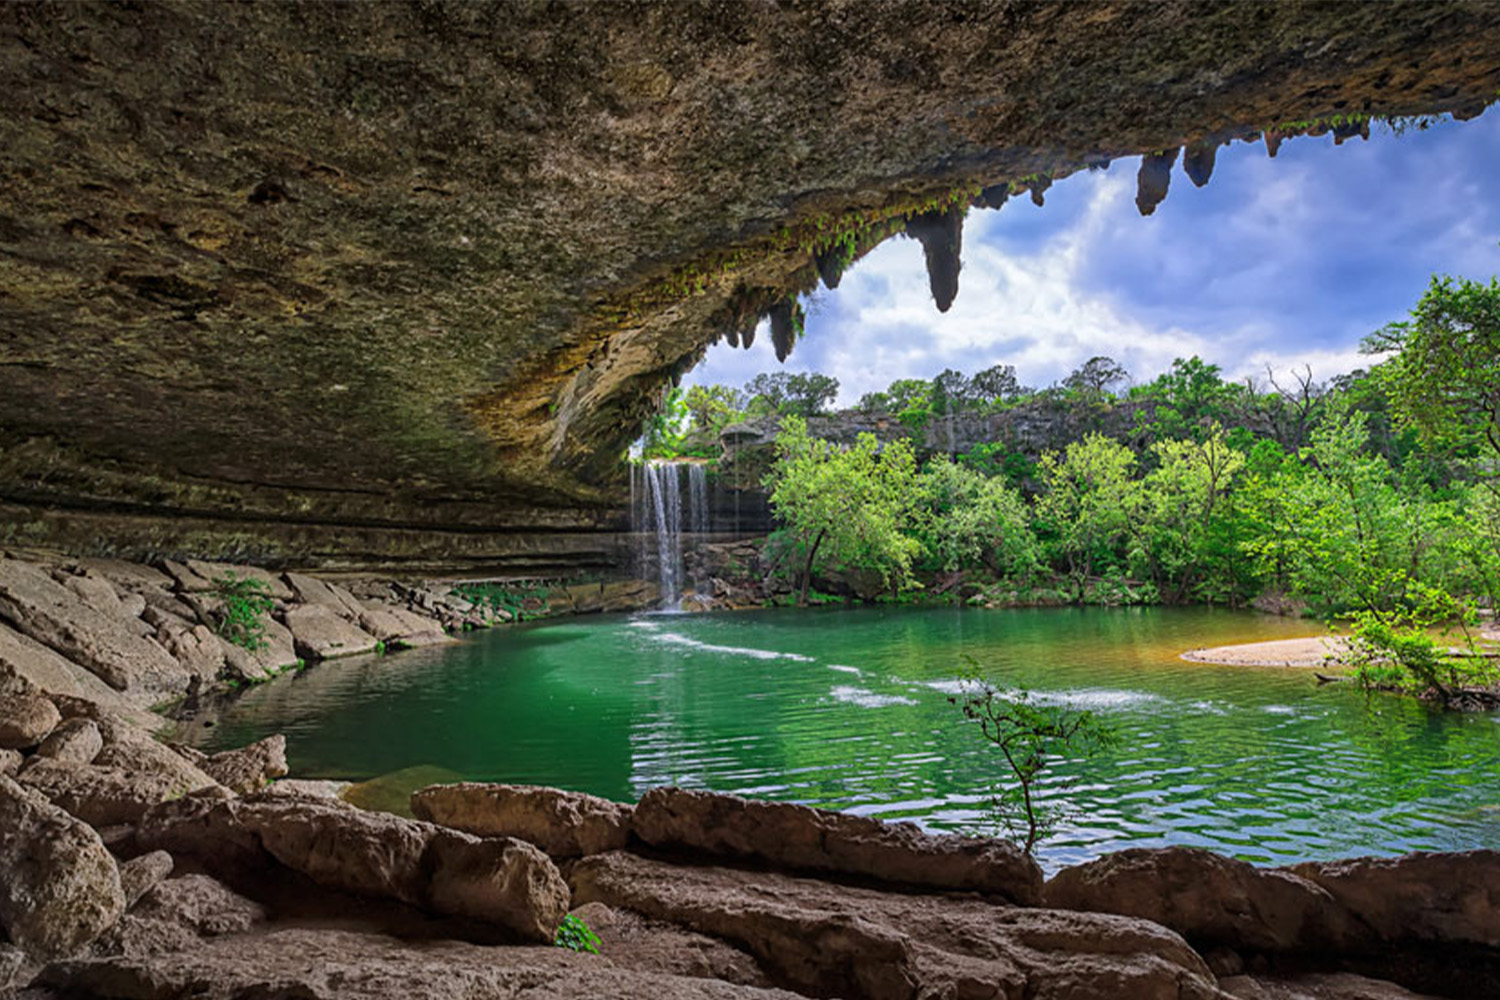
{"x":575,"y":934}
{"x":243,"y":605}
{"x":1028,"y":736}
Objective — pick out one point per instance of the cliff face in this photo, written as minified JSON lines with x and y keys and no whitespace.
{"x":378,"y":282}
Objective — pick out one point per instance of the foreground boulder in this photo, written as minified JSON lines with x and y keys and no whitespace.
{"x":35,"y":604}
{"x":798,"y":838}
{"x":1417,"y":898}
{"x":502,"y":881}
{"x":1208,"y":899}
{"x":338,"y":963}
{"x":831,"y":940}
{"x":60,"y":887}
{"x":564,"y":824}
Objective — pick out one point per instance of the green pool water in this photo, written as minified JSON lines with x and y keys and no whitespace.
{"x":848,"y":709}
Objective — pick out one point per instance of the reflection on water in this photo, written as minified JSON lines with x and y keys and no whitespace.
{"x":848,"y":708}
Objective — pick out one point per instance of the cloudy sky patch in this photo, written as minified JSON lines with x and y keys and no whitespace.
{"x":1279,"y":262}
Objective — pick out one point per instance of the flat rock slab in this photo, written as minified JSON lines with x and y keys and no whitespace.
{"x":214,"y":572}
{"x":832,"y":940}
{"x":358,"y":966}
{"x":319,"y":634}
{"x":311,"y":590}
{"x":564,"y":824}
{"x":29,"y":666}
{"x":1417,"y":898}
{"x":33,"y":603}
{"x":797,"y":838}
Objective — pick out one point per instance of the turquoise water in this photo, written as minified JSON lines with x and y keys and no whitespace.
{"x":848,"y":709}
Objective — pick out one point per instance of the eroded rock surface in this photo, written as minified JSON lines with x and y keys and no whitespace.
{"x":564,"y":824}
{"x":249,"y":768}
{"x":320,"y":634}
{"x":361,"y":966}
{"x":798,"y":838}
{"x":503,"y":881}
{"x":1207,"y":898}
{"x":59,"y":887}
{"x":33,"y":603}
{"x":26,"y":720}
{"x":828,"y":940}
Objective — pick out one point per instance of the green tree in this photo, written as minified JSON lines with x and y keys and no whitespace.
{"x":997,"y":384}
{"x":1096,"y":376}
{"x":1445,"y":380}
{"x":1185,"y":519}
{"x":845,"y":507}
{"x":713,"y":407}
{"x":800,"y":394}
{"x":966,"y":520}
{"x":1089,"y":497}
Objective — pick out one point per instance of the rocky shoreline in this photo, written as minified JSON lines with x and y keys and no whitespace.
{"x":133,"y":867}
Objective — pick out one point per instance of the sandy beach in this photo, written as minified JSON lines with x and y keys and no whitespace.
{"x":1314,"y":651}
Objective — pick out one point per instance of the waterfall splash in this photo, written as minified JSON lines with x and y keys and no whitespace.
{"x":656,"y":516}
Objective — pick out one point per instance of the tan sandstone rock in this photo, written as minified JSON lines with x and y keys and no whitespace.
{"x":1208,"y":899}
{"x":74,"y":741}
{"x":1449,"y":898}
{"x":35,"y":604}
{"x":273,"y":585}
{"x":25,"y":720}
{"x":140,"y":875}
{"x":10,"y":762}
{"x":99,"y":796}
{"x":250,"y":768}
{"x":319,"y":634}
{"x":798,"y":838}
{"x":360,"y":966}
{"x":564,"y":824}
{"x":834,"y":940}
{"x":503,"y":881}
{"x":27,"y":666}
{"x":311,"y":590}
{"x":60,"y":888}
{"x":397,"y":626}
{"x":98,"y":594}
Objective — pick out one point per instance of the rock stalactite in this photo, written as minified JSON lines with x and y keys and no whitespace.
{"x":375,"y":314}
{"x":941,"y":234}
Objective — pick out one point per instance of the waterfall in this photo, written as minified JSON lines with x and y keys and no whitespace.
{"x":657,"y":520}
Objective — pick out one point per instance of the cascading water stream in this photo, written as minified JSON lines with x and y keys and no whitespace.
{"x":656,"y":514}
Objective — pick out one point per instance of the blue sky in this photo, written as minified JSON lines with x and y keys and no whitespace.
{"x":1280,"y":262}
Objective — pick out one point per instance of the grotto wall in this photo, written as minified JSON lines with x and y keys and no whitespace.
{"x":395,"y":284}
